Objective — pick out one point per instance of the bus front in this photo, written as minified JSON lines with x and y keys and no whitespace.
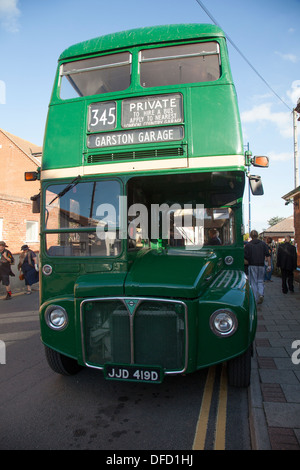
{"x":142,"y":182}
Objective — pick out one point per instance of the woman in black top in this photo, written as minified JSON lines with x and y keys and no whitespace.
{"x":28,"y":265}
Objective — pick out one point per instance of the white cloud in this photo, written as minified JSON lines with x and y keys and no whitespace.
{"x":280,"y":157}
{"x":263,"y":113}
{"x":294,"y":92}
{"x":9,"y":15}
{"x":289,"y":57}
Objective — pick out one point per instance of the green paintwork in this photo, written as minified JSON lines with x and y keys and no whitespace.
{"x":143,"y":36}
{"x":165,"y":273}
{"x":212,"y":127}
{"x":64,"y":131}
{"x":210,"y":108}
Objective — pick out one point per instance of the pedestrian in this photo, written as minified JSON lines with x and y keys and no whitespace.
{"x":268,"y":274}
{"x":287,"y":262}
{"x":29,"y":267}
{"x":6,"y":260}
{"x":246,"y":261}
{"x":256,"y":253}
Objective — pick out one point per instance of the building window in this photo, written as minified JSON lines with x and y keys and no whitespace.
{"x":32,"y":232}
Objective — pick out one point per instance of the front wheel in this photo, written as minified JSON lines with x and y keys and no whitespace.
{"x":61,"y":364}
{"x":239,"y":370}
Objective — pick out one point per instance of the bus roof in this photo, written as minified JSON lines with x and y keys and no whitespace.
{"x":147,"y":35}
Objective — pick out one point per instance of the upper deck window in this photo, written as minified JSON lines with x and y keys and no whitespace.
{"x":174,"y":65}
{"x":105,"y":74}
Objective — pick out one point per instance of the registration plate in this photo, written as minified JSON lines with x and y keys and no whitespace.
{"x":133,"y":373}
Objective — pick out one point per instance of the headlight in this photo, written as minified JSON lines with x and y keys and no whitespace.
{"x":56,"y":317}
{"x":223,"y":322}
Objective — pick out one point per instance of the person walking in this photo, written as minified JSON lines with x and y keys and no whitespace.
{"x":256,"y":253}
{"x":29,"y":267}
{"x":287,"y":262}
{"x":6,"y":260}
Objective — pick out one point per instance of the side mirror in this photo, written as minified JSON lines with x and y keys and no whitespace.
{"x":256,"y":185}
{"x":262,"y":162}
{"x":36,"y":203}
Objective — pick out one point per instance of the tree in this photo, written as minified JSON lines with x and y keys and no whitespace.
{"x":274,"y":220}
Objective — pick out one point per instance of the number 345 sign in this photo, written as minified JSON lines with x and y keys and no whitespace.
{"x":102,"y":116}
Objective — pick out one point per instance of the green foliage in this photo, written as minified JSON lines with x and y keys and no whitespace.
{"x":274,"y":220}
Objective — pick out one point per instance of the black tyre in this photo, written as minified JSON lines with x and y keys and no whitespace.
{"x":239,"y":370}
{"x":61,"y":364}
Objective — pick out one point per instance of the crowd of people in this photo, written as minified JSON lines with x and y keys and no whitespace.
{"x":262,"y":257}
{"x":27,"y":267}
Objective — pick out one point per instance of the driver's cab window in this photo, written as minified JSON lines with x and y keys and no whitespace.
{"x":219,"y":226}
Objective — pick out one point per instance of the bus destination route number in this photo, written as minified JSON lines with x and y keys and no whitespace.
{"x":133,"y":373}
{"x":102,"y":116}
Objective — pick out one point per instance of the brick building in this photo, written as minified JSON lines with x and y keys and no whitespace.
{"x":18,"y":225}
{"x":280,"y":230}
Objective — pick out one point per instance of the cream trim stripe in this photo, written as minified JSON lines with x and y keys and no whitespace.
{"x":219,"y":161}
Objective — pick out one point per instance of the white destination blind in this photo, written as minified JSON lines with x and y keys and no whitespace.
{"x":135,"y":136}
{"x":152,"y":110}
{"x":102,"y":116}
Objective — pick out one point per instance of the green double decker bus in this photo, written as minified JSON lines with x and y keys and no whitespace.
{"x":142,"y":180}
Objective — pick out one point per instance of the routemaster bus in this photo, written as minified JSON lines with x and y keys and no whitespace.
{"x":142,"y":180}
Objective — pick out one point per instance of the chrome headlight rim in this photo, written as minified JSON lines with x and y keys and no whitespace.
{"x":47,"y":270}
{"x":229,"y":260}
{"x":218,"y":320}
{"x":58,"y":323}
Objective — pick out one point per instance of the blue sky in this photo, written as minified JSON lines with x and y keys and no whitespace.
{"x":33,"y":33}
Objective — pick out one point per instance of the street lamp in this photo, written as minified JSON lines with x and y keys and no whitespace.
{"x":296,"y":110}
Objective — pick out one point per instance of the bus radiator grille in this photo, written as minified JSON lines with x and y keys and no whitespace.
{"x":153,"y":334}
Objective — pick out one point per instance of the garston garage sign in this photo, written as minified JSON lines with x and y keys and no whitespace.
{"x":137,"y":136}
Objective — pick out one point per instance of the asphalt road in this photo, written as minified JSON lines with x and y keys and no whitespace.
{"x":43,"y":410}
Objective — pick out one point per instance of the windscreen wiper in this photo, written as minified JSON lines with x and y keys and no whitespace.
{"x":66,"y":189}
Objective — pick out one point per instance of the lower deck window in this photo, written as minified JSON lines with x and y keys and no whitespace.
{"x":185,"y":211}
{"x":83,"y":244}
{"x":82,"y":218}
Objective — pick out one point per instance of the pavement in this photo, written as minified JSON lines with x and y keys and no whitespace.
{"x":274,"y":393}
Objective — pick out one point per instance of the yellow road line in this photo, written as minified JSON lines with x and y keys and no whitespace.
{"x":201,"y":429}
{"x":221,"y":417}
